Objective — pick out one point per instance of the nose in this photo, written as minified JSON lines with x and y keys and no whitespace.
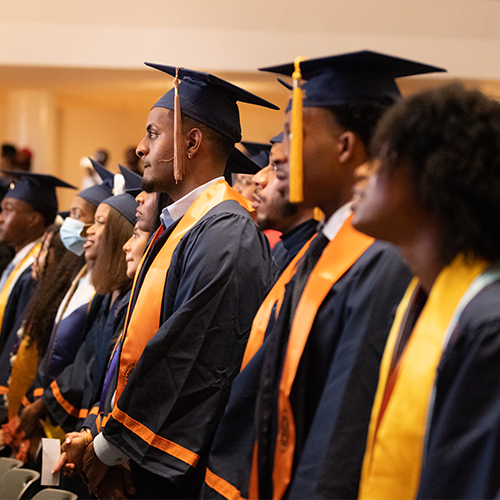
{"x":260,"y":178}
{"x":91,"y":230}
{"x":140,"y":198}
{"x":141,"y":149}
{"x":126,"y":247}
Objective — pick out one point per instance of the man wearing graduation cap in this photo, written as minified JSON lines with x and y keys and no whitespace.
{"x":295,"y":223}
{"x":296,"y":422}
{"x":199,"y":286}
{"x":28,"y":208}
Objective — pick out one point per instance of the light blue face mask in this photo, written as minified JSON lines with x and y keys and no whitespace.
{"x":70,"y":234}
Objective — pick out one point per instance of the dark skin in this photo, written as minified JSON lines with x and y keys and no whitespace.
{"x":330,"y":156}
{"x":19,"y":223}
{"x":202,"y":165}
{"x":156,"y":151}
{"x":387,"y":207}
{"x":270,"y":197}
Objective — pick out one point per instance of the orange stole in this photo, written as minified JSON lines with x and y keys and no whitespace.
{"x":275,"y":296}
{"x":144,"y":321}
{"x":337,"y":258}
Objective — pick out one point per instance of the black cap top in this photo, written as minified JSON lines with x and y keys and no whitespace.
{"x":125,"y":204}
{"x":277,"y":139}
{"x":239,"y":163}
{"x":258,"y":152}
{"x":98,"y":193}
{"x":38,"y":190}
{"x":351,"y":77}
{"x":209,"y":100}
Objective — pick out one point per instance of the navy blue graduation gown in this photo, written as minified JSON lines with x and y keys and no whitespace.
{"x":462,"y":457}
{"x":219,"y":274}
{"x":80,"y":383}
{"x":19,"y":298}
{"x":332,"y":393}
{"x":291,"y":242}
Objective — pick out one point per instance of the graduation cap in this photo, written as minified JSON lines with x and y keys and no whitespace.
{"x":205,"y":98}
{"x":337,"y":80}
{"x":277,"y":139}
{"x":37,"y":190}
{"x":98,"y":193}
{"x":132,"y":181}
{"x":125,"y":204}
{"x":258,"y":152}
{"x":239,"y":163}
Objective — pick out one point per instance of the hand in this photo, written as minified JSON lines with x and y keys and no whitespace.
{"x":93,"y":468}
{"x":117,"y":483}
{"x":73,"y":449}
{"x":31,"y":416}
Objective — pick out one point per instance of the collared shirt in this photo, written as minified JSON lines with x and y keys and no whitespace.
{"x":107,"y":452}
{"x":16,"y":260}
{"x":177,"y":209}
{"x":335,"y":222}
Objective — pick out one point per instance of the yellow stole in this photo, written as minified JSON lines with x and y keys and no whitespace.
{"x":5,"y":293}
{"x":394,"y":451}
{"x":144,"y":321}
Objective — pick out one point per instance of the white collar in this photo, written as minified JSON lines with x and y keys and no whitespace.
{"x":335,"y":222}
{"x":24,"y":251}
{"x":177,"y":209}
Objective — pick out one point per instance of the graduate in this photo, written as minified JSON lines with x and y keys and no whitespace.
{"x":28,"y":209}
{"x":296,"y":422}
{"x":274,"y":212}
{"x":433,"y":190}
{"x":195,"y":294}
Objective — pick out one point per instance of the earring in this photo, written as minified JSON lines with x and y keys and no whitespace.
{"x":189,"y":155}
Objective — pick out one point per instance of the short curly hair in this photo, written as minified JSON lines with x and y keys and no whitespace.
{"x":449,"y":139}
{"x":361,"y":117}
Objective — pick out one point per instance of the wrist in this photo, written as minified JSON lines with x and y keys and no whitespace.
{"x":87,"y":436}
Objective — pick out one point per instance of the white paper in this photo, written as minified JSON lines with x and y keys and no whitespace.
{"x":51,"y":450}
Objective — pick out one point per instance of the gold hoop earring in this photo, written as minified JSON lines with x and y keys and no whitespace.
{"x":189,"y":155}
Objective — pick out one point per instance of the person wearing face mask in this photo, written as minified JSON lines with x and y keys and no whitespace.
{"x":75,"y":442}
{"x":69,"y":324}
{"x":67,"y":400}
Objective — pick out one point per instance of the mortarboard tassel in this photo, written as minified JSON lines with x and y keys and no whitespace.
{"x":296,"y":170}
{"x":178,"y":139}
{"x":318,"y":214}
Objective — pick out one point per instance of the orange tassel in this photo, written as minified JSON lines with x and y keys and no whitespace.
{"x":178,"y":138}
{"x":296,"y":152}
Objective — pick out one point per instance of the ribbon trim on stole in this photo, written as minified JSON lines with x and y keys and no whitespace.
{"x":337,"y":258}
{"x":396,"y":435}
{"x":144,"y":322}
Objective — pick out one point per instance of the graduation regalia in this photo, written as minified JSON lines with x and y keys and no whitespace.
{"x":291,"y":242}
{"x":69,"y":398}
{"x":38,"y":191}
{"x":213,"y":288}
{"x":440,"y":360}
{"x":348,"y":332}
{"x":194,"y":297}
{"x":314,"y":377}
{"x":18,"y":298}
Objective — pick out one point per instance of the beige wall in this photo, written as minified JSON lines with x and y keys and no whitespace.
{"x":88,"y":56}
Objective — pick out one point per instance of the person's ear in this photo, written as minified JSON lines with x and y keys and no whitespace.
{"x":194,"y":139}
{"x":346,"y":144}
